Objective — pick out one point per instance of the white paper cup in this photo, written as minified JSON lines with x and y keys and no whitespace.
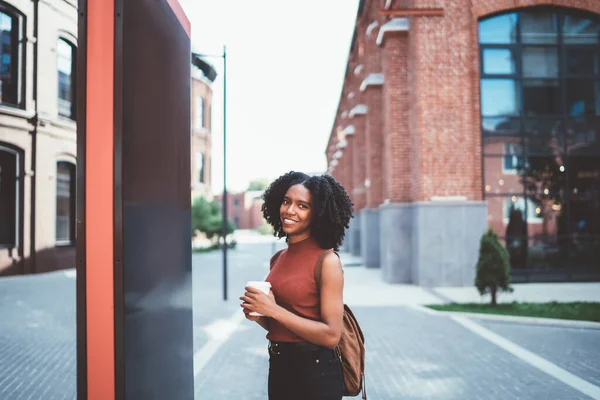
{"x":264,"y":286}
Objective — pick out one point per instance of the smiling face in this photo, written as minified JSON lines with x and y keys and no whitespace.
{"x":296,"y":213}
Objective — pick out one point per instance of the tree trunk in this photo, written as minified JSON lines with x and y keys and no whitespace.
{"x":493,"y":292}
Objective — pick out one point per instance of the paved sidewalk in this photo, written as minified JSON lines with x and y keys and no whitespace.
{"x":411,"y":294}
{"x":411,"y":354}
{"x":414,"y":355}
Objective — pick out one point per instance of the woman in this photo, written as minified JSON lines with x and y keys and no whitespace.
{"x":303,"y":314}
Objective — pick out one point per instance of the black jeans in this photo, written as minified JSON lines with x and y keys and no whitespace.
{"x":303,"y":371}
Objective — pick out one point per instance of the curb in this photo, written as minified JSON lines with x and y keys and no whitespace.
{"x":550,"y":322}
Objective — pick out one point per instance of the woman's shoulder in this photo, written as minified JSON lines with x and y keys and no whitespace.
{"x":275,"y":257}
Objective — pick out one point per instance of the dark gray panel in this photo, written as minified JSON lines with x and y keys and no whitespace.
{"x":155,"y":163}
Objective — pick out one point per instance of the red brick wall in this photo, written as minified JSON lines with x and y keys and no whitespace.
{"x":201,"y":138}
{"x":431,"y":110}
{"x":397,"y":166}
{"x":441,"y":72}
{"x":249,"y":215}
{"x":359,"y":161}
{"x":481,"y":8}
{"x":373,"y":97}
{"x":348,"y":158}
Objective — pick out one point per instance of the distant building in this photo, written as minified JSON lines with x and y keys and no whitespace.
{"x":244,"y":209}
{"x":37,"y":135}
{"x":203,"y":75}
{"x":38,"y":139}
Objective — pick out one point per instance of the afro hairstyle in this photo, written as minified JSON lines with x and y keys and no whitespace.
{"x":332,"y":208}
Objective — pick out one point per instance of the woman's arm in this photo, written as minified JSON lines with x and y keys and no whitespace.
{"x":262,"y":321}
{"x":324,"y":333}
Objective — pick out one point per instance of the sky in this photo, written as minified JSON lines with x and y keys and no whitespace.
{"x":285,"y":67}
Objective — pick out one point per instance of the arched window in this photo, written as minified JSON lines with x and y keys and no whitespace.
{"x":11,"y":54}
{"x":66,"y":59}
{"x":65,"y":202}
{"x":540,"y":115}
{"x":9,"y":197}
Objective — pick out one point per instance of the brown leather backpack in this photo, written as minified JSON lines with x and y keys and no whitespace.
{"x":351,"y":348}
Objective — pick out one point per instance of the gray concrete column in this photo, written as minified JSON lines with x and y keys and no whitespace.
{"x":447,"y":235}
{"x":431,"y":243}
{"x":396,"y":227}
{"x":350,"y":235}
{"x":344,"y":245}
{"x":356,"y":235}
{"x":370,"y":233}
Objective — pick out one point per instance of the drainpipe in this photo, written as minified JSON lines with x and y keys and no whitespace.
{"x":34,"y":121}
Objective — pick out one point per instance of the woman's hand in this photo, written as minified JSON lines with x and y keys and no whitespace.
{"x":249,"y":317}
{"x":256,"y":300}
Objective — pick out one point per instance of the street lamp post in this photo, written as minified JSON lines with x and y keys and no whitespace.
{"x":225,"y":173}
{"x":224,"y":197}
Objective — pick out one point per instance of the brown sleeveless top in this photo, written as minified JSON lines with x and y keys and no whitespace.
{"x":292,"y":279}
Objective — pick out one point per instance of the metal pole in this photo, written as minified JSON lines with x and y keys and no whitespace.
{"x":224,"y":173}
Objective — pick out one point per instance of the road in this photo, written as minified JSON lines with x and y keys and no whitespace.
{"x":411,"y":354}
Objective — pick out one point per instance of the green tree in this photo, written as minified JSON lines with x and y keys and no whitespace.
{"x":493,"y":266}
{"x":208,"y":219}
{"x":258,"y":184}
{"x":201,"y":212}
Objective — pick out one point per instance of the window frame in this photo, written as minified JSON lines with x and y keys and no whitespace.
{"x":200,"y":122}
{"x":540,"y":135}
{"x":201,"y":171}
{"x":72,"y":203}
{"x":18,"y":207}
{"x":68,"y":41}
{"x":19,"y":62}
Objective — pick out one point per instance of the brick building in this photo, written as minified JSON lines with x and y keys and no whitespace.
{"x":456,"y":115}
{"x":203,"y":75}
{"x":244,"y":209}
{"x":38,"y":148}
{"x":37,"y":135}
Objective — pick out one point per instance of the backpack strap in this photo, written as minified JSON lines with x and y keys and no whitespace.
{"x":319,"y":266}
{"x":274,"y":258}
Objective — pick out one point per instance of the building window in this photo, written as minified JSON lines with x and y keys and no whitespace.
{"x":200,"y":112}
{"x":529,"y":208}
{"x":66,"y":58}
{"x":11,"y":28}
{"x":65,"y":202}
{"x":512,"y":158}
{"x":9,"y":197}
{"x":209,"y":117}
{"x":236,"y":202}
{"x":540,"y":119}
{"x":200,"y":167}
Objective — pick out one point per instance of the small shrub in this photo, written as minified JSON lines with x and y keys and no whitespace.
{"x":493,"y":266}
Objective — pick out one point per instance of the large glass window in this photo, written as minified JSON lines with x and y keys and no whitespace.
{"x":9,"y":171}
{"x":65,"y":53}
{"x":540,"y":106}
{"x":11,"y":25}
{"x":65,"y":202}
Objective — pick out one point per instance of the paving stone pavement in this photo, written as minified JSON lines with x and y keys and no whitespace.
{"x":37,"y":338}
{"x":410,"y":354}
{"x":575,"y":349}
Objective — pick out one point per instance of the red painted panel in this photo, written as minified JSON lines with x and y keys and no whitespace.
{"x":99,"y":195}
{"x":178,"y":10}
